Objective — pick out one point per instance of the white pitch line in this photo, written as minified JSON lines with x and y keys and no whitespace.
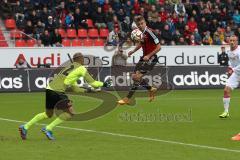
{"x":134,"y":137}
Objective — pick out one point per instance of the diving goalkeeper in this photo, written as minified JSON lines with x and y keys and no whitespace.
{"x":55,"y":95}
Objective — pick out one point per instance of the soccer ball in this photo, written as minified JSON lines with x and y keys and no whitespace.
{"x":136,"y":35}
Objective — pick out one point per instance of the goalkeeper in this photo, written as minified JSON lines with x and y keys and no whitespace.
{"x":55,"y":95}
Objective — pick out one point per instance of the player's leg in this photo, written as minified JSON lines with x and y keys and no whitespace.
{"x":65,"y":109}
{"x":232,"y":83}
{"x":41,"y":116}
{"x":136,"y":77}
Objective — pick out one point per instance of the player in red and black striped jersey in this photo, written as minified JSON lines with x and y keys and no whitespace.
{"x":151,"y":46}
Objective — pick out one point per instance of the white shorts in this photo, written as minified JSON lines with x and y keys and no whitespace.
{"x":233,"y":81}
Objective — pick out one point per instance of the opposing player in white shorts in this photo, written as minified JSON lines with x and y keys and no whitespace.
{"x":233,"y":72}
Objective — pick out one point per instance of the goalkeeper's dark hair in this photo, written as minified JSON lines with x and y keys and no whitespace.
{"x":78,"y":57}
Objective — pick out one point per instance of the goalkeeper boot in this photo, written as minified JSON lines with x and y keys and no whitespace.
{"x":236,"y":137}
{"x":23,"y":132}
{"x":152,"y":92}
{"x":49,"y":134}
{"x":124,"y":101}
{"x":224,"y":115}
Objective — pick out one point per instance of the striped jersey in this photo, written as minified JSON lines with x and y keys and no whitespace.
{"x":150,"y":41}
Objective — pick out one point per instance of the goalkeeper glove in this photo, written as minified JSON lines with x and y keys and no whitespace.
{"x":107,"y":83}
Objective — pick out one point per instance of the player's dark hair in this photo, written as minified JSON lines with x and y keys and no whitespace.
{"x":139,"y":18}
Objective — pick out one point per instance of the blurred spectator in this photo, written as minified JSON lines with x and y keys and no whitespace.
{"x":45,"y":38}
{"x":153,"y":13}
{"x":18,"y":10}
{"x":44,"y":15}
{"x":207,"y":39}
{"x":115,"y":23}
{"x":218,"y":37}
{"x":38,"y":30}
{"x":192,"y":41}
{"x":121,"y":14}
{"x":158,"y":25}
{"x":39,"y":43}
{"x":109,"y":18}
{"x":20,"y":22}
{"x":56,"y":39}
{"x":22,"y":64}
{"x":236,"y":17}
{"x":171,"y":25}
{"x":106,"y":6}
{"x":70,"y":5}
{"x":69,"y":20}
{"x":181,"y":41}
{"x":187,"y":33}
{"x":203,"y":26}
{"x":168,"y":6}
{"x":125,"y":26}
{"x":99,"y":19}
{"x":33,"y":18}
{"x":29,"y":28}
{"x":197,"y":37}
{"x":166,"y":34}
{"x":180,"y":25}
{"x":192,"y":24}
{"x":128,"y":7}
{"x":228,"y":32}
{"x":62,"y":12}
{"x":163,"y":14}
{"x":79,"y":20}
{"x":51,"y":24}
{"x":179,"y":8}
{"x":114,"y":37}
{"x":119,"y":58}
{"x":86,"y":9}
{"x":5,"y":9}
{"x":223,"y":57}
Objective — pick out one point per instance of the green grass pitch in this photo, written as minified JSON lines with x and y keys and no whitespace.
{"x":113,"y":137}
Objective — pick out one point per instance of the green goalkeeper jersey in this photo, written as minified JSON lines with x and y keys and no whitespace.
{"x":68,"y":76}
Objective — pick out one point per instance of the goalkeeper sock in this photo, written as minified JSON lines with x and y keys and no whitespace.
{"x":145,"y":84}
{"x":62,"y":117}
{"x":35,"y":119}
{"x":226,"y":102}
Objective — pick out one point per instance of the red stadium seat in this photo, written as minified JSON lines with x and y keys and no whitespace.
{"x":82,"y":33}
{"x":2,"y":38}
{"x":20,"y":43}
{"x":104,"y":33}
{"x":90,"y":23}
{"x":10,"y":24}
{"x":62,"y":32}
{"x":93,"y":33}
{"x":31,"y":43}
{"x":71,"y":33}
{"x":3,"y":44}
{"x":76,"y":42}
{"x":99,"y":42}
{"x":66,"y":43}
{"x":16,"y":34}
{"x":87,"y":42}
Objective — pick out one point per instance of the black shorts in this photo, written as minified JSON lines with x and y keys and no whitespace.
{"x":56,"y":99}
{"x":146,"y":66}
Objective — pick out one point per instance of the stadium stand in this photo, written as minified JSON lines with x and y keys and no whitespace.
{"x":192,"y":22}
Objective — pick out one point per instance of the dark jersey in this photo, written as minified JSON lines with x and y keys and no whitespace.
{"x":150,"y":41}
